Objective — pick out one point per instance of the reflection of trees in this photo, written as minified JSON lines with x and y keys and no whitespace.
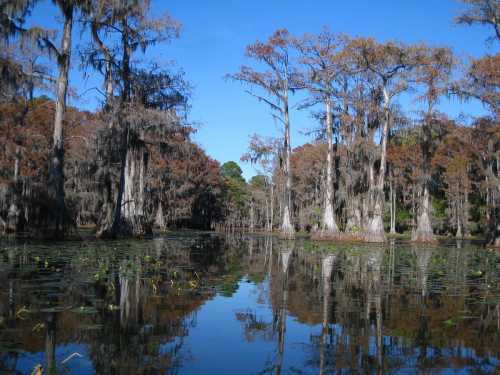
{"x":279,"y":320}
{"x":50,"y":344}
{"x":423,"y":257}
{"x":375,"y":308}
{"x":384,"y":307}
{"x":326,"y":275}
{"x":131,"y":302}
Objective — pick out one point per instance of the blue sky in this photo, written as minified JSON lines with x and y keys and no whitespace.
{"x":216,"y":32}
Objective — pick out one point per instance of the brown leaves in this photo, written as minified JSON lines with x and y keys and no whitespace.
{"x":484,"y":12}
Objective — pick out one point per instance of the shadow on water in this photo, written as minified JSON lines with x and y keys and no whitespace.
{"x":192,"y":303}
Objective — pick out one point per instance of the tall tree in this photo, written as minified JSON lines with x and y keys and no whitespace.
{"x":264,"y":151}
{"x":63,"y":58}
{"x":433,"y":74}
{"x":278,"y":81}
{"x":324,"y":58}
{"x":481,"y":82}
{"x":387,"y":67}
{"x":128,"y":28}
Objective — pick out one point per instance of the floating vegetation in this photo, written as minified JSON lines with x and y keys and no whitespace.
{"x":85,"y":310}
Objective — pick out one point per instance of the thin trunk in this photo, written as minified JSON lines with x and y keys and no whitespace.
{"x":271,"y":218}
{"x":267,"y":226}
{"x":57,"y":161}
{"x":252,"y":218}
{"x":494,"y":205}
{"x":106,"y":222}
{"x":394,"y":210}
{"x":14,"y":214}
{"x":465,"y":214}
{"x":392,"y":197}
{"x":459,"y":233}
{"x":109,"y":72}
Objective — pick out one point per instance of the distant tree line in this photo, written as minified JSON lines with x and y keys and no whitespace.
{"x":375,"y":167}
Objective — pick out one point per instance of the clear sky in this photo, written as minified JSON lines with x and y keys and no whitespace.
{"x":216,"y":32}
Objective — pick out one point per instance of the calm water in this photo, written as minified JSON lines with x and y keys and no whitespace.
{"x":192,"y":303}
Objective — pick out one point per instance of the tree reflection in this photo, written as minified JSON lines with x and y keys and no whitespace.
{"x":130,"y":305}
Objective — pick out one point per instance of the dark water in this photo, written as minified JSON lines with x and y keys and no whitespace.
{"x":207,"y":304}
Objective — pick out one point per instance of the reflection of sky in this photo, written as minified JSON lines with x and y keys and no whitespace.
{"x":216,"y":345}
{"x":26,"y":362}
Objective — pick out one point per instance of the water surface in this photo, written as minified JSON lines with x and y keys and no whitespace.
{"x":198,"y":303}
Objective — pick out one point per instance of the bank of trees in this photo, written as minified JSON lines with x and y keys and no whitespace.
{"x":125,"y":168}
{"x":377,"y":166}
{"x":374,"y":166}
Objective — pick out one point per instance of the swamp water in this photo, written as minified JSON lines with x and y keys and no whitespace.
{"x":198,"y":303}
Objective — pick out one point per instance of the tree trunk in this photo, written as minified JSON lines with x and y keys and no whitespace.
{"x":354,"y":221}
{"x":375,"y":229}
{"x":133,"y":214}
{"x":287,"y":229}
{"x":271,"y":216}
{"x":465,"y":214}
{"x":118,"y":226}
{"x":423,"y":231}
{"x":14,"y":214}
{"x":267,"y":224}
{"x":56,"y":179}
{"x":252,"y":216}
{"x":392,"y":197}
{"x":459,"y":233}
{"x":329,"y":225}
{"x":496,"y":231}
{"x":160,"y":218}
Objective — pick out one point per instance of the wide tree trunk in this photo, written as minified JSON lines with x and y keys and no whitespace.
{"x":354,"y":221}
{"x":133,"y":210}
{"x":423,"y":230}
{"x":56,"y":179}
{"x":375,"y":228}
{"x":287,"y":229}
{"x":160,"y":221}
{"x":329,"y":225}
{"x":126,"y":211}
